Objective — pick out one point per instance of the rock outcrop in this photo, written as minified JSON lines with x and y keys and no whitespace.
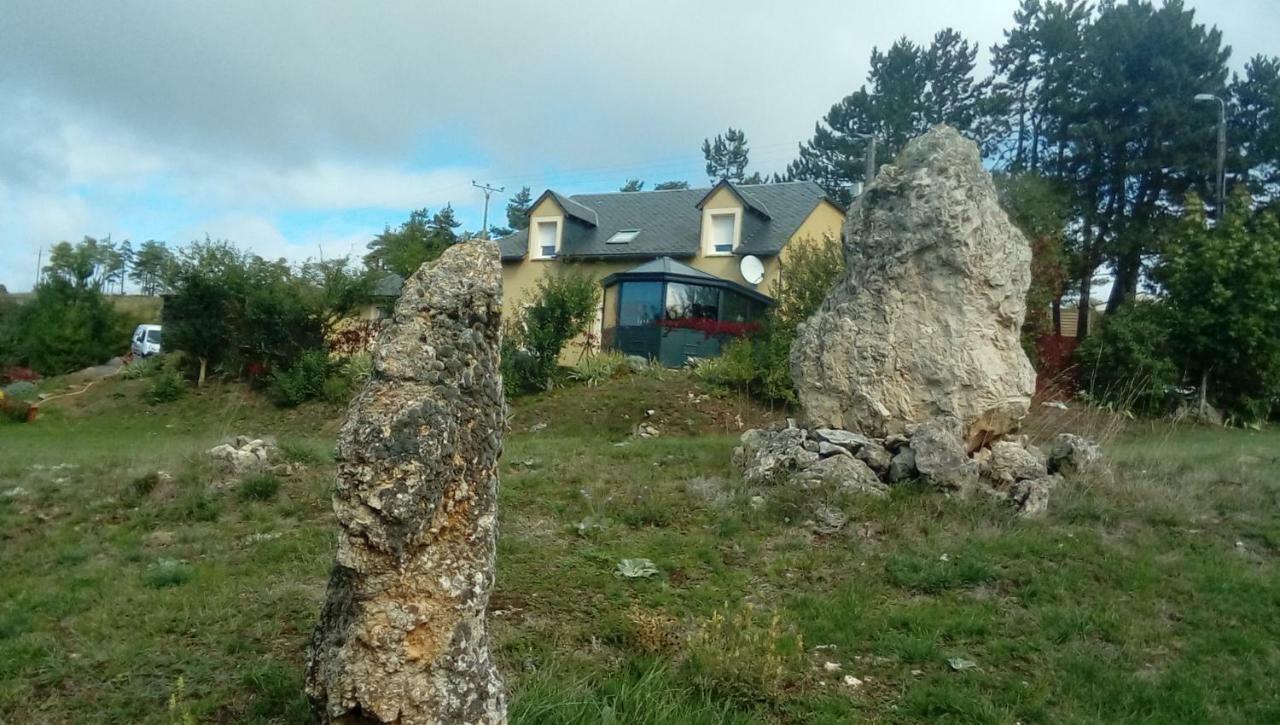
{"x":402,"y":637}
{"x":926,"y":320}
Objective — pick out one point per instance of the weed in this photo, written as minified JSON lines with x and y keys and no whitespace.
{"x":258,"y":487}
{"x":167,"y":573}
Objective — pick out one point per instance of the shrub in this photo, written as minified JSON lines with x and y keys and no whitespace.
{"x":598,"y":367}
{"x":144,"y":367}
{"x":1126,"y":363}
{"x":562,"y":307}
{"x":760,"y":364}
{"x":20,"y":390}
{"x":259,"y":487}
{"x":302,"y":381}
{"x":14,"y":411}
{"x":63,"y":328}
{"x":166,"y":387}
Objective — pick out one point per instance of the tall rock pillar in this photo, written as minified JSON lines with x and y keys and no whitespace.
{"x":402,"y":637}
{"x":926,"y":321}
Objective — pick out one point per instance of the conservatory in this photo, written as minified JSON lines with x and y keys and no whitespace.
{"x":671,"y":312}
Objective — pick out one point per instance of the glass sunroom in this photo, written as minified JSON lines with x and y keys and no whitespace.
{"x":670,"y":312}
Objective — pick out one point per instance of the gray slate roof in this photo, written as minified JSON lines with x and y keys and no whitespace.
{"x":670,"y":222}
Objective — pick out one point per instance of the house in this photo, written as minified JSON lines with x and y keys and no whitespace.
{"x":680,"y":270}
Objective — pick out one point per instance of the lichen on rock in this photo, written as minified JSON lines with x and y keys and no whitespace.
{"x":403,"y":636}
{"x":926,"y":321}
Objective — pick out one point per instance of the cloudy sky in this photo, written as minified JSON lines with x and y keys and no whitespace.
{"x":301,"y":129}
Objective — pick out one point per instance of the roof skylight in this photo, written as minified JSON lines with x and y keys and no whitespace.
{"x":623,"y":236}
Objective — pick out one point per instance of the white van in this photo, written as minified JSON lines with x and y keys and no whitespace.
{"x":146,"y":341}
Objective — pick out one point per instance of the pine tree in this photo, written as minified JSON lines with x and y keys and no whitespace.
{"x":632,"y":185}
{"x":669,"y":185}
{"x":150,"y":267}
{"x":1253,"y":128}
{"x":518,"y":209}
{"x":909,"y":89}
{"x":726,"y":155}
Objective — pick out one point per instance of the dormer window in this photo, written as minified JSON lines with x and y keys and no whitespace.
{"x":546,"y":235}
{"x":722,"y":237}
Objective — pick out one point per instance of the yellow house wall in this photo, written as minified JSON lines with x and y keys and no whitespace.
{"x":520,"y":277}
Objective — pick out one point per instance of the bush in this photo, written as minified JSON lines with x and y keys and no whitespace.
{"x":258,"y":487}
{"x":144,"y":367}
{"x":20,"y":390}
{"x":166,"y":387}
{"x":563,"y":305}
{"x":1126,"y":363}
{"x":14,"y":411}
{"x":760,"y":365}
{"x":598,"y":367}
{"x":302,"y":381}
{"x":63,"y":328}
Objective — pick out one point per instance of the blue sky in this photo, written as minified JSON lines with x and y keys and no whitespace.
{"x":302,"y":129}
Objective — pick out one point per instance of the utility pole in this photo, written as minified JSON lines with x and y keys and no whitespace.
{"x":488,"y":191}
{"x":39,"y":259}
{"x":870,"y":172}
{"x":1220,"y":182}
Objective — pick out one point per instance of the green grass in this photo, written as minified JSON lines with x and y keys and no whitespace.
{"x":1149,"y":596}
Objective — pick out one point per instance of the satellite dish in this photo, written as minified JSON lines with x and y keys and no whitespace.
{"x":752,"y":269}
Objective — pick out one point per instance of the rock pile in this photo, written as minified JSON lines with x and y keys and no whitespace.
{"x":912,"y":368}
{"x":403,"y":636}
{"x":242,"y":455}
{"x":1009,"y":469}
{"x":926,"y":321}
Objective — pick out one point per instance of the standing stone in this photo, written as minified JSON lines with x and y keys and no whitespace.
{"x":926,"y":320}
{"x":402,"y":637}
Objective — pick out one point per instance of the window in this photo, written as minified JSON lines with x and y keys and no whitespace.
{"x":722,"y":233}
{"x":623,"y":236}
{"x":545,"y":238}
{"x":692,"y":302}
{"x":639,"y":303}
{"x":153,"y":336}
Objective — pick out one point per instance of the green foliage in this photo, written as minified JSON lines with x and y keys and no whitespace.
{"x":166,"y":386}
{"x":167,"y":573}
{"x":911,"y":88}
{"x":144,"y":367}
{"x":727,"y":156}
{"x":1127,"y":363}
{"x":518,"y":209}
{"x":670,"y":185}
{"x":303,"y":380}
{"x":91,"y":263}
{"x":633,"y":185}
{"x":595,"y":368}
{"x":258,"y":487}
{"x":1222,"y":291}
{"x":422,"y":238}
{"x":561,"y":308}
{"x":761,"y":364}
{"x":1039,"y":207}
{"x":152,"y":264}
{"x":64,"y":327}
{"x":232,"y":311}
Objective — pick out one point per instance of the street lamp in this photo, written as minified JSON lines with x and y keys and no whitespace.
{"x":1221,"y":180}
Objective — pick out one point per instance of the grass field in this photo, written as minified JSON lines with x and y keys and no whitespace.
{"x":1149,"y":596}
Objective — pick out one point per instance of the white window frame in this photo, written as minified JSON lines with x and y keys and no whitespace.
{"x":709,"y":246}
{"x":535,"y":239}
